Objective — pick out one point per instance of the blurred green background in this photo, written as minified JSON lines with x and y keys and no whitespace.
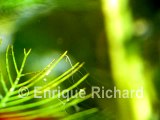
{"x":81,"y":28}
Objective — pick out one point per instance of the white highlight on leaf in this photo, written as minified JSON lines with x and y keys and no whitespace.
{"x":45,"y":79}
{"x":48,"y":72}
{"x":12,"y":89}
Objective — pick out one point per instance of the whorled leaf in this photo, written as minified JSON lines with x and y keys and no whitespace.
{"x":13,"y":106}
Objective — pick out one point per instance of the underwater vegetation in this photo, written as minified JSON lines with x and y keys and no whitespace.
{"x":117,"y":39}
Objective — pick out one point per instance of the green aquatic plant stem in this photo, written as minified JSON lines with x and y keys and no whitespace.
{"x":3,"y":83}
{"x":13,"y":85}
{"x":127,"y":67}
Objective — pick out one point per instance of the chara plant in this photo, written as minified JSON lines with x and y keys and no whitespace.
{"x":13,"y":106}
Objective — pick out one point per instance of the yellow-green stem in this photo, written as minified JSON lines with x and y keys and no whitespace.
{"x":127,"y":69}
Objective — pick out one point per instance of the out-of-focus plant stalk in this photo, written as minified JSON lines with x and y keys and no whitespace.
{"x":127,"y":69}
